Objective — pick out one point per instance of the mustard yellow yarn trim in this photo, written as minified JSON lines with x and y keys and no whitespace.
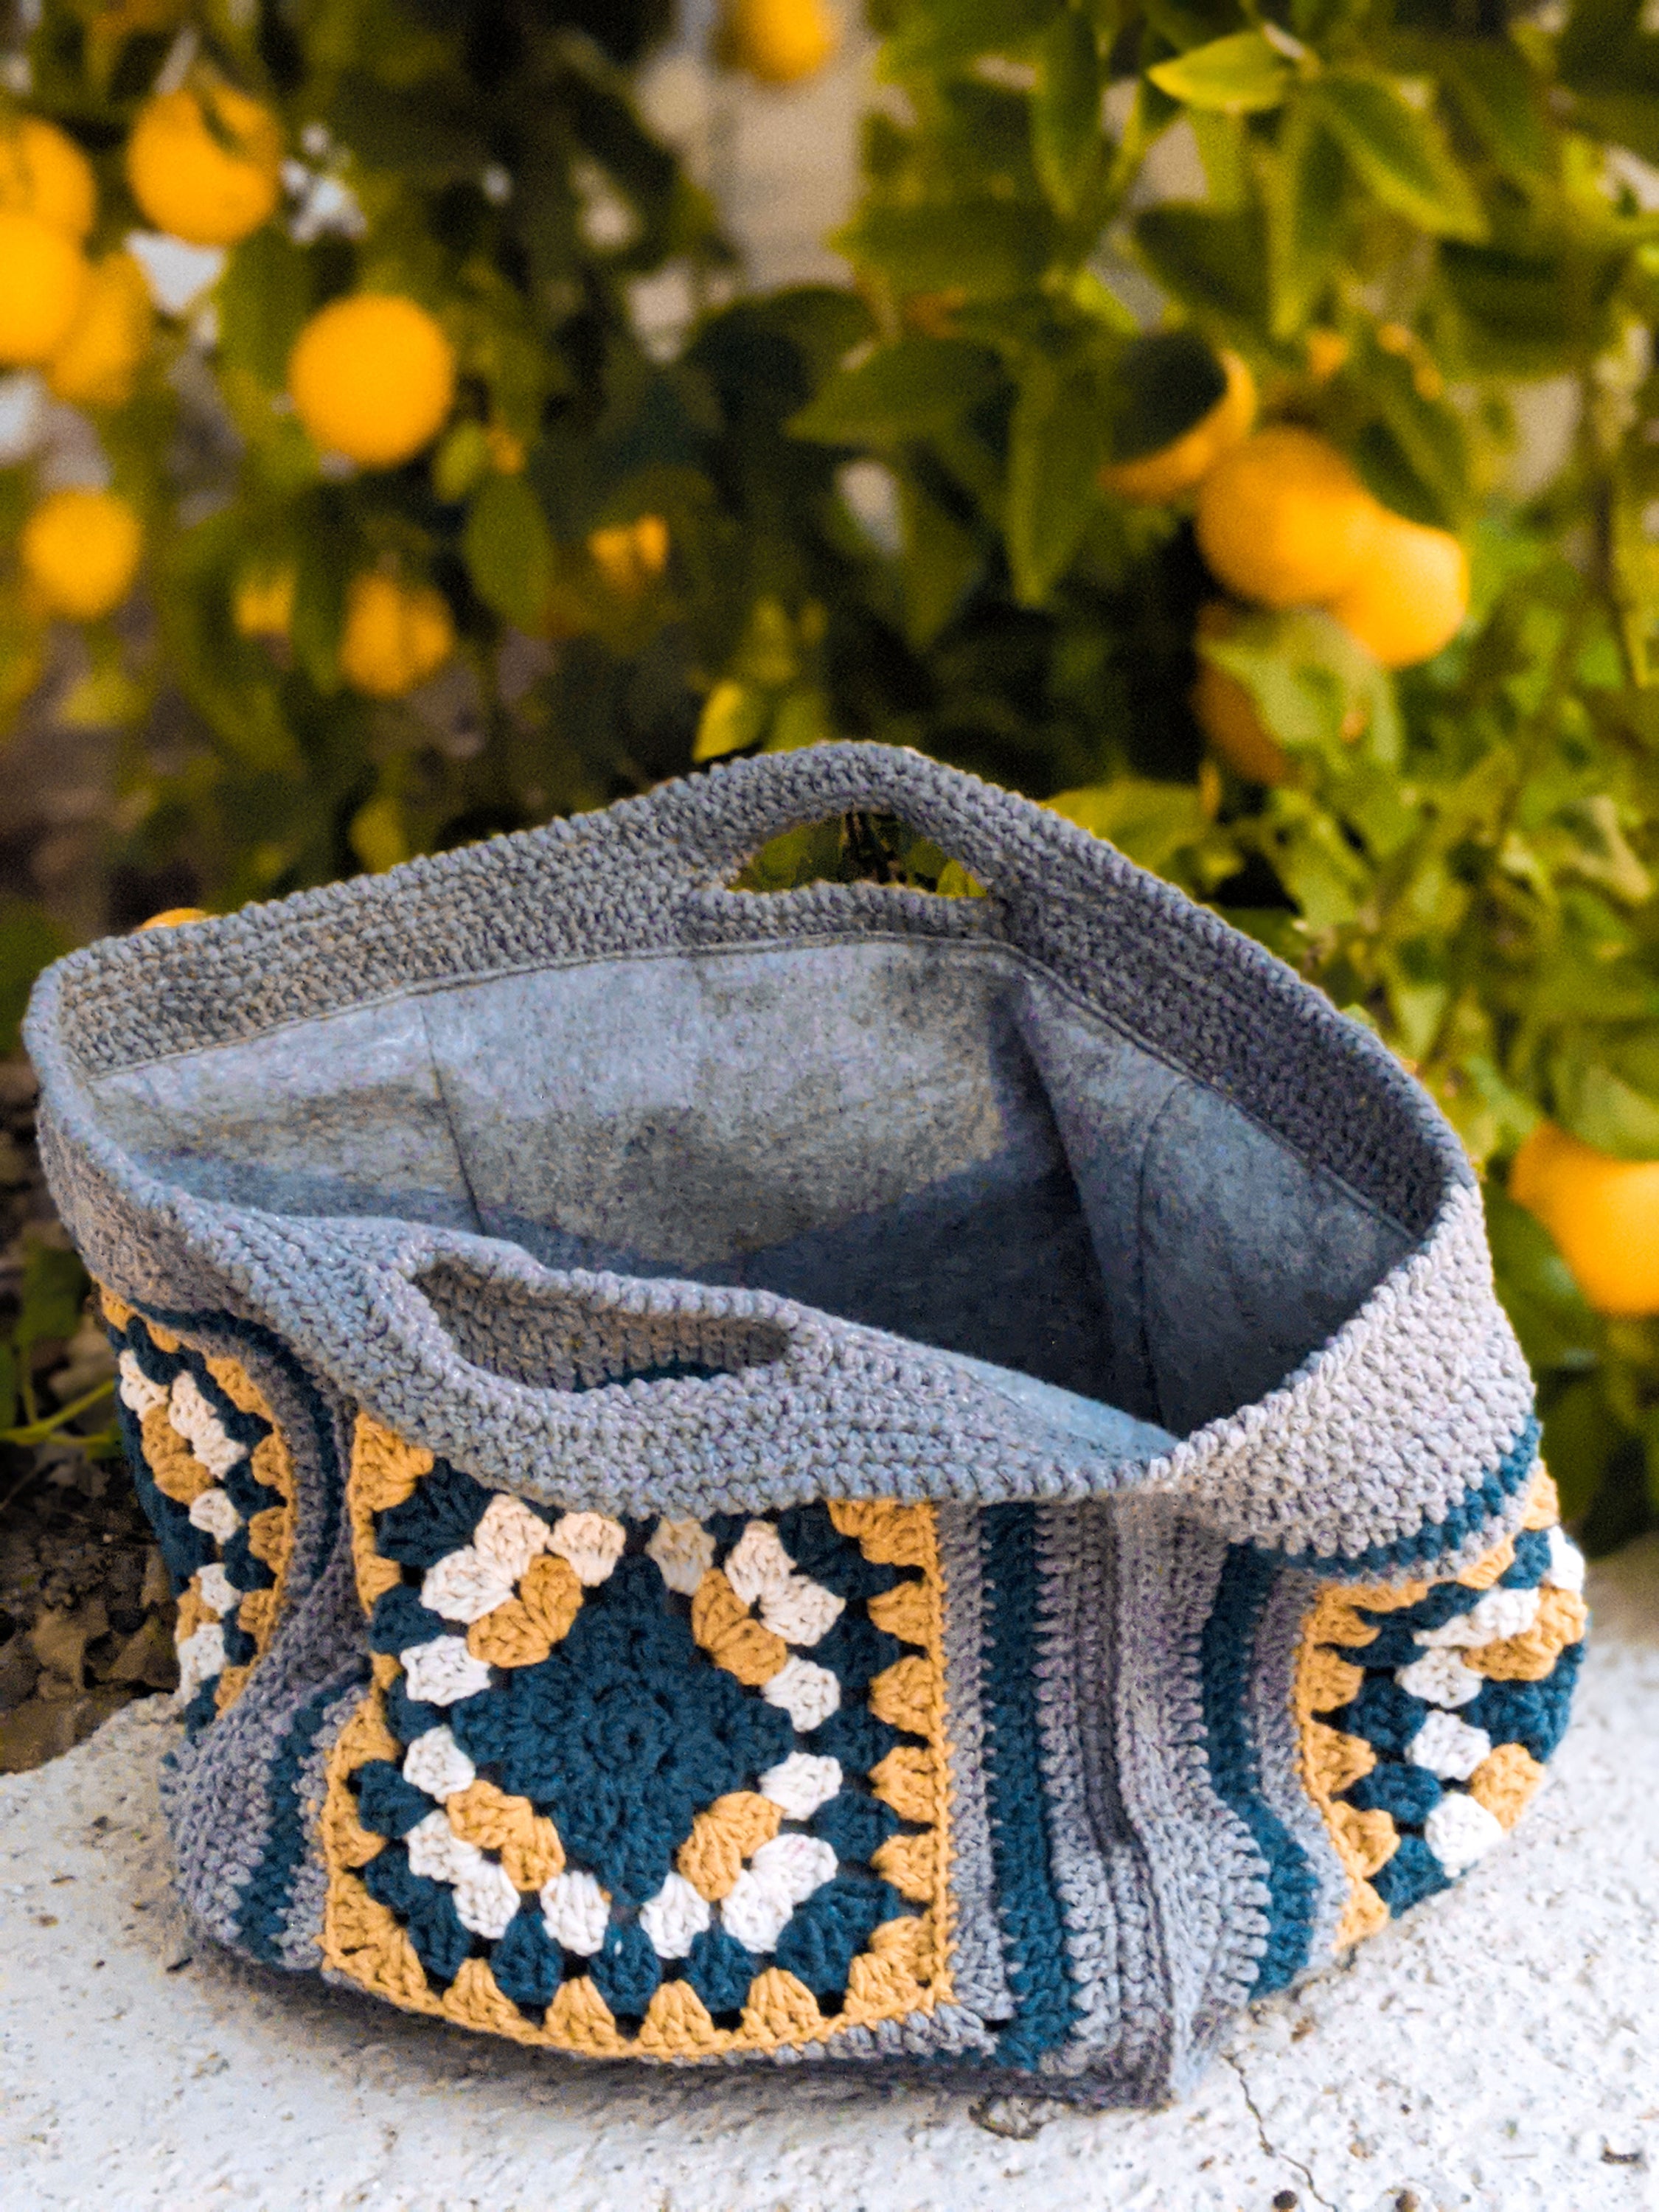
{"x":905,"y":1969}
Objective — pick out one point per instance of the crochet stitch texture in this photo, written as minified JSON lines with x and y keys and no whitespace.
{"x":849,"y":1476}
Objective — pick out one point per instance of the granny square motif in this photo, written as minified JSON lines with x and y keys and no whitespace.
{"x":845,"y":1477}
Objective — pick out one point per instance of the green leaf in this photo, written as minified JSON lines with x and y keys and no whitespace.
{"x":1148,"y":821}
{"x":908,"y":390}
{"x":1317,"y":690}
{"x":988,"y":249}
{"x":510,"y":553}
{"x":1213,"y":264}
{"x":1499,"y":99}
{"x":263,"y":297}
{"x":29,"y":941}
{"x":1583,"y":1435}
{"x":1529,"y":314}
{"x":1242,"y":74}
{"x":733,"y":717}
{"x":49,"y":1297}
{"x":319,"y":590}
{"x":1397,"y":153}
{"x":1066,"y":134}
{"x":1306,"y":188}
{"x":1599,"y":1106}
{"x":1555,"y":1325}
{"x":933,"y":38}
{"x":1056,"y":446}
{"x":941,"y":559}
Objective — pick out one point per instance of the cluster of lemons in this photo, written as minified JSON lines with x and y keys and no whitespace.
{"x":1283,"y":521}
{"x":371,"y":377}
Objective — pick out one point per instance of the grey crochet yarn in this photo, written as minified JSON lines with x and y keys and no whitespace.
{"x":843,"y":1475}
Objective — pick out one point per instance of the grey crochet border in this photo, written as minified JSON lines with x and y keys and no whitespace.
{"x":1383,"y":1432}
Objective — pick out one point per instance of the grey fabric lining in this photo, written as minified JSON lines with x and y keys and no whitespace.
{"x":895,"y":1160}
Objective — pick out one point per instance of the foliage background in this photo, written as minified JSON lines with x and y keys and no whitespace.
{"x":882,"y":506}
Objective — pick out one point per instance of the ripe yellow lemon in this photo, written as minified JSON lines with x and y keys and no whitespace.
{"x":263,"y":604}
{"x":43,"y":171}
{"x":1410,"y":597}
{"x":396,"y":635}
{"x":80,"y":553}
{"x":1228,"y":715}
{"x":631,"y":556}
{"x":43,"y":280}
{"x":1604,"y":1213}
{"x":1154,"y":479}
{"x":1284,"y":520}
{"x":775,"y":41}
{"x":173,"y":917}
{"x":206,"y":166}
{"x":371,"y":377}
{"x":98,"y":363}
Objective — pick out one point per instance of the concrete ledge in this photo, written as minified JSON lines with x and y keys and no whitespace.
{"x":1498,"y":2051}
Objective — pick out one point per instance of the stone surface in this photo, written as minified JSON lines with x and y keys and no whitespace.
{"x":1500,"y":2050}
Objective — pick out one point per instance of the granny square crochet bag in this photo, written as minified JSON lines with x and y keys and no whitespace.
{"x":843,"y":1475}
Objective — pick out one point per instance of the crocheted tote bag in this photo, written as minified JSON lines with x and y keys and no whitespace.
{"x":844,"y":1475}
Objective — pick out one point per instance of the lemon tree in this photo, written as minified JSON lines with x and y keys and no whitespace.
{"x":1158,"y":458}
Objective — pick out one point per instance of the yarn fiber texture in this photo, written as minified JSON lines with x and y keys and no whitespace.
{"x":851,"y":1476}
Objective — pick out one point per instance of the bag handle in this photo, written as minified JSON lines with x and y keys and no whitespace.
{"x":712,"y":824}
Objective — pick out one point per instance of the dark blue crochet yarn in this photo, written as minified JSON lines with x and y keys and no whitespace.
{"x":625,"y":1969}
{"x":439,"y":1518}
{"x":269,"y":1890}
{"x":1408,"y":1793}
{"x":1384,"y":1714}
{"x":826,"y":1934}
{"x":399,"y":1620}
{"x":625,"y":1734}
{"x":427,"y":1909}
{"x":386,"y":1804}
{"x":408,"y":1718}
{"x":855,"y":1825}
{"x":240,"y":1646}
{"x":720,"y":1970}
{"x":1394,"y":1645}
{"x":856,"y":1651}
{"x":1045,"y":2001}
{"x":1247,"y":1580}
{"x":201,"y":1712}
{"x":1532,"y":1561}
{"x":1534,"y":1714}
{"x":184,"y":1548}
{"x":1413,"y":1873}
{"x":725,"y":1529}
{"x":854,"y":1736}
{"x":248,"y":1495}
{"x":818,"y":1549}
{"x":242,"y":1571}
{"x":527,"y":1961}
